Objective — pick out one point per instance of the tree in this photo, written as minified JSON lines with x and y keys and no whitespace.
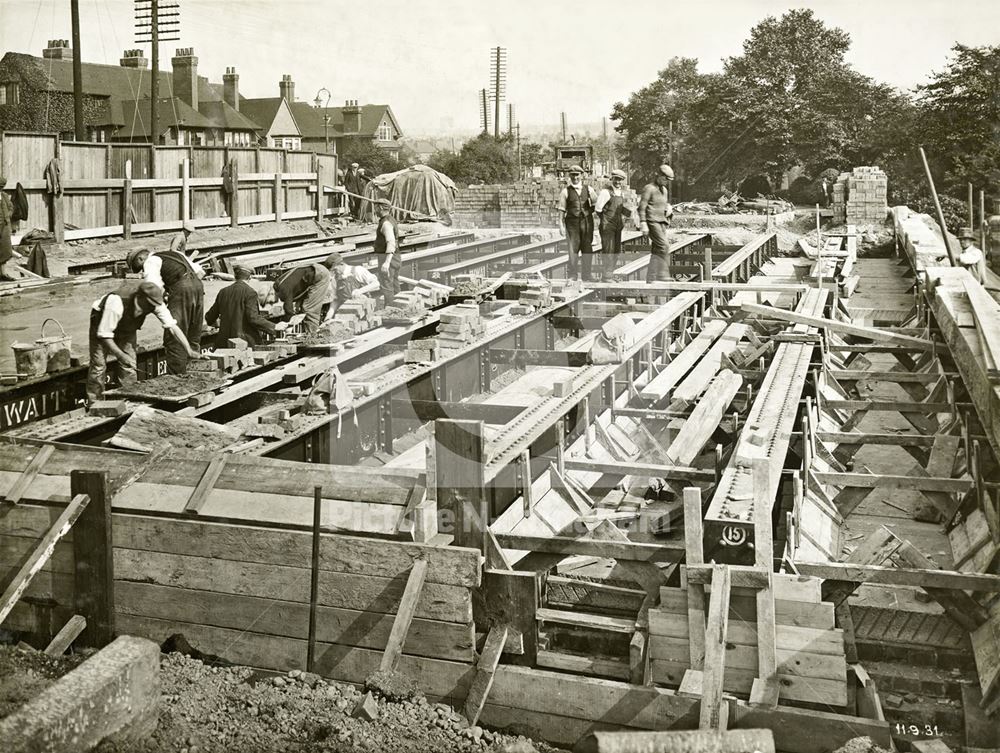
{"x":645,"y":121}
{"x":959,"y":117}
{"x":481,"y":160}
{"x":373,"y":159}
{"x":533,"y":154}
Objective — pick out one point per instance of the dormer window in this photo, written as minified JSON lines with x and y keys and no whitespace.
{"x":385,"y":132}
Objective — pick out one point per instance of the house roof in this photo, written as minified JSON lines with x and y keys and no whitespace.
{"x":107,"y":80}
{"x":172,"y":112}
{"x":222,"y":115}
{"x":310,"y":120}
{"x":263,"y":111}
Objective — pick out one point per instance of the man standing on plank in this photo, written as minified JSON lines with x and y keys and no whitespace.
{"x":576,"y":204}
{"x":655,"y":213}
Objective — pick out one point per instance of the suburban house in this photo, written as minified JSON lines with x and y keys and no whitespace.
{"x":36,"y":94}
{"x":301,"y":125}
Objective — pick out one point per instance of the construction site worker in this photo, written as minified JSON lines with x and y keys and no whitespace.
{"x":237,"y":311}
{"x":305,"y":289}
{"x":115,"y":321}
{"x":348,"y":281}
{"x":352,"y":182}
{"x":175,"y":271}
{"x":6,"y":223}
{"x":576,"y":204}
{"x":613,"y":211}
{"x":972,"y":257}
{"x":387,"y":251}
{"x":655,"y":213}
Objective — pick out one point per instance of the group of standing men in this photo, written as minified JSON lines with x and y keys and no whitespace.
{"x":579,"y":203}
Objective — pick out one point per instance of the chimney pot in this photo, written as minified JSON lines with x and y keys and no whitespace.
{"x":58,"y":49}
{"x":286,"y":88}
{"x":185,"y":75}
{"x":231,"y":88}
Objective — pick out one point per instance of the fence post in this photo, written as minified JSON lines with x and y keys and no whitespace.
{"x":56,"y":199}
{"x":127,"y":201}
{"x":94,"y":580}
{"x":185,"y":190}
{"x":234,"y":197}
{"x":319,"y":186}
{"x":152,"y":191}
{"x":278,"y":199}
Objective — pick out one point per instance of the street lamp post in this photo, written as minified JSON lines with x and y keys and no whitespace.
{"x":326,"y":114}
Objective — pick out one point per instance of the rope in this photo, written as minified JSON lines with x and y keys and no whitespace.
{"x":418,"y":215}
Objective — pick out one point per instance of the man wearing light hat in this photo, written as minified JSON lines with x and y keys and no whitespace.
{"x":348,"y":281}
{"x":612,"y":210}
{"x":115,"y":321}
{"x":180,"y":277}
{"x":237,"y":311}
{"x":972,"y":257}
{"x":387,"y":251}
{"x":576,"y":204}
{"x":655,"y":213}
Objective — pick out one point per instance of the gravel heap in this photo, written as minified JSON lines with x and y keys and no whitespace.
{"x":25,"y":673}
{"x":205,"y":709}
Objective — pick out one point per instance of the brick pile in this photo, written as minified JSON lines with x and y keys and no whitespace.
{"x":533,"y":297}
{"x":358,"y":315}
{"x":459,"y":326}
{"x":516,"y":205}
{"x":860,"y":197}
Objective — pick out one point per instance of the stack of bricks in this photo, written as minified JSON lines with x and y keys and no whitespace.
{"x":422,"y":351}
{"x":517,"y":205}
{"x":459,"y":326}
{"x":861,"y":197}
{"x":358,"y":315}
{"x":533,"y":297}
{"x":409,"y":302}
{"x":432,"y":294}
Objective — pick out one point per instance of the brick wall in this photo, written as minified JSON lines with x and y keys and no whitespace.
{"x":860,"y":197}
{"x":515,"y":205}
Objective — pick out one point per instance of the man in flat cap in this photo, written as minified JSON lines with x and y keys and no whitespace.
{"x":972,"y":257}
{"x":613,"y":210}
{"x":352,"y":182}
{"x":305,"y":289}
{"x":387,"y":251}
{"x":177,"y":273}
{"x":576,"y":205}
{"x":115,"y":321}
{"x":655,"y":213}
{"x":349,"y":281}
{"x":237,"y":311}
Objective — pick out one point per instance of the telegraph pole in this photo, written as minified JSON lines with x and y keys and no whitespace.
{"x":510,"y":119}
{"x":153,"y":18}
{"x":499,"y":77}
{"x":78,"y":126}
{"x":562,"y":124}
{"x":520,"y":170}
{"x":484,"y":110}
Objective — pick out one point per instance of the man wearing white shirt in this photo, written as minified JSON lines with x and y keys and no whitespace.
{"x":387,"y":251}
{"x":115,"y":320}
{"x":972,"y":257}
{"x":612,"y":210}
{"x":347,"y":282}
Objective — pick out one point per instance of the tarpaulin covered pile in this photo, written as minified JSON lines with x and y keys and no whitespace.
{"x":423,"y":192}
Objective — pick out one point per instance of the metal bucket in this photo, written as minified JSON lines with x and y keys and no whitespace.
{"x":31,"y":359}
{"x":57,"y":347}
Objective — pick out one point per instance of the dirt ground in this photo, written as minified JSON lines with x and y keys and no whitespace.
{"x":25,"y":674}
{"x":207,"y":709}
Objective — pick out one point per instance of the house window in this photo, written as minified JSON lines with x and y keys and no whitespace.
{"x":385,"y":132}
{"x":292,"y":143}
{"x":8,"y":93}
{"x":227,"y":138}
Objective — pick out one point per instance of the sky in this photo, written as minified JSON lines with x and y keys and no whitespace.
{"x":428,"y":59}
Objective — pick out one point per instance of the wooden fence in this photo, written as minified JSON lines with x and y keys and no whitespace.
{"x":121,"y":189}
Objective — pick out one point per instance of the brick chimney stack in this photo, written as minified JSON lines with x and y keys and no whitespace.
{"x":286,"y":87}
{"x":58,"y":49}
{"x":352,"y":116}
{"x":231,"y":88}
{"x":186,"y":75}
{"x":133,"y":59}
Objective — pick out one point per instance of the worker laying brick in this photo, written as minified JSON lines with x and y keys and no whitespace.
{"x":237,"y":311}
{"x":305,"y":289}
{"x":347,"y":282}
{"x":115,"y":320}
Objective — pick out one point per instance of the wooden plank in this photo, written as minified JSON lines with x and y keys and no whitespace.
{"x":16,"y":492}
{"x":765,"y":687}
{"x":705,"y":418}
{"x":65,"y":637}
{"x":961,"y":607}
{"x":863,"y":438}
{"x":43,"y":550}
{"x":630,"y":551}
{"x":743,"y":606}
{"x":987,"y":315}
{"x":360,"y":592}
{"x":404,"y":616}
{"x":714,"y":710}
{"x":740,"y":681}
{"x":695,"y":596}
{"x":881,"y":481}
{"x":581,"y":619}
{"x":510,"y":599}
{"x":276,"y":616}
{"x":743,"y":633}
{"x":661,"y":385}
{"x":593,"y":666}
{"x":698,"y":379}
{"x":898,"y":576}
{"x":460,"y":454}
{"x":200,"y":494}
{"x":796,"y":663}
{"x":656,"y":470}
{"x":808,"y":730}
{"x":485,"y":669}
{"x":870,"y":333}
{"x":345,"y":554}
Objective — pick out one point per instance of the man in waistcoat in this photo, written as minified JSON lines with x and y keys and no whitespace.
{"x":174,"y":270}
{"x":655,"y":213}
{"x":576,"y":204}
{"x":305,"y":289}
{"x":115,"y":321}
{"x":349,"y":281}
{"x":613,"y":212}
{"x":387,"y":251}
